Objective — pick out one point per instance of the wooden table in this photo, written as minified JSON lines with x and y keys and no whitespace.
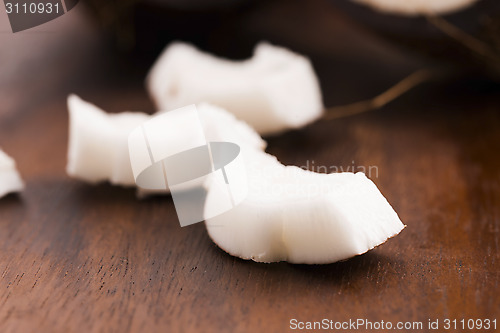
{"x":76,"y":257}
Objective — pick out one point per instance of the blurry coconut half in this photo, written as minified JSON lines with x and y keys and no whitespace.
{"x":462,"y":33}
{"x":416,"y":7}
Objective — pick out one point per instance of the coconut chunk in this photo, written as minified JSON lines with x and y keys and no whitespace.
{"x":299,"y":216}
{"x":10,"y":180}
{"x":98,"y":141}
{"x":288,"y":214}
{"x":273,"y":91}
{"x":417,"y":7}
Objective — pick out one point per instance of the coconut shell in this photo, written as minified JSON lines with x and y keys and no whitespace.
{"x":474,"y":44}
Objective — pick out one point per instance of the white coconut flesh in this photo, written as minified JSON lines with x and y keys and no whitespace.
{"x":299,"y":216}
{"x":289,"y":213}
{"x":10,"y":180}
{"x":273,"y":91}
{"x":98,"y":141}
{"x":417,"y":7}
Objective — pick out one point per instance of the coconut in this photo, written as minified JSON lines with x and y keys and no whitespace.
{"x":416,"y":7}
{"x":287,"y":213}
{"x":273,"y":91}
{"x":98,"y":141}
{"x":98,"y":146}
{"x":458,"y":34}
{"x":10,"y":180}
{"x":299,"y":216}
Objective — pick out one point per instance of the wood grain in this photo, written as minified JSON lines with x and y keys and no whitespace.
{"x":78,"y":258}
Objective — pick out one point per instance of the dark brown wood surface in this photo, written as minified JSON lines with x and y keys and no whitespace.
{"x":79,"y":258}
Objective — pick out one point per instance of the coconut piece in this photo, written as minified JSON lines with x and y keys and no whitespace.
{"x":417,"y":7}
{"x":98,"y":141}
{"x":273,"y":91}
{"x":10,"y":180}
{"x":299,"y":216}
{"x":98,"y":146}
{"x":288,"y":214}
{"x":220,"y":125}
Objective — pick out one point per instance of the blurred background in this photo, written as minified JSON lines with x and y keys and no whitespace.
{"x":357,"y":51}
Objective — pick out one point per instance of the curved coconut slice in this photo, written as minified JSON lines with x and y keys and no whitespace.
{"x":302,"y":217}
{"x":98,"y":141}
{"x":10,"y":181}
{"x":289,"y":213}
{"x":417,"y":7}
{"x":273,"y":91}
